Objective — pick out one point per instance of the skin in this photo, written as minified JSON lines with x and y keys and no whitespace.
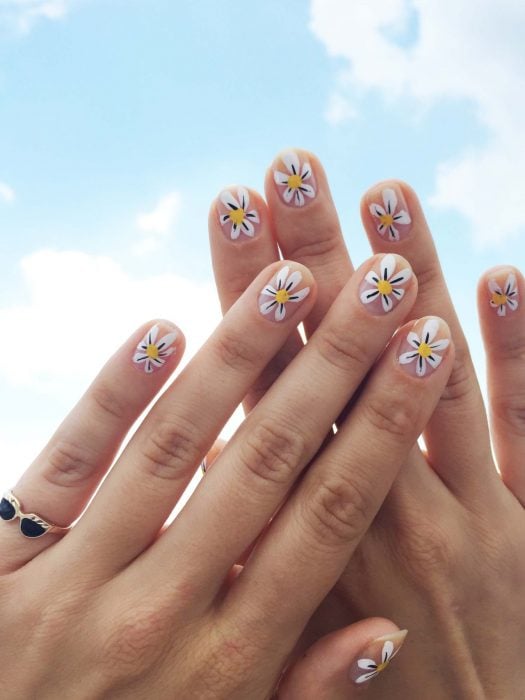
{"x":124,"y":606}
{"x":444,"y":557}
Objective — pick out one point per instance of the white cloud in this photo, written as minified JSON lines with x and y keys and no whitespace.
{"x":460,"y":50}
{"x":157,"y":224}
{"x":7,"y":193}
{"x":339,"y":110}
{"x":22,"y":14}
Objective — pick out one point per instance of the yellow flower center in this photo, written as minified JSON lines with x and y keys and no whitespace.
{"x":425,"y":350}
{"x":386,"y":219}
{"x":384,"y":287}
{"x":295,"y":181}
{"x":152,"y":352}
{"x":282,"y":296}
{"x":237,"y":216}
{"x":499,"y":299}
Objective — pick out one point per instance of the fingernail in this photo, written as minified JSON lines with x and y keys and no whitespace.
{"x":376,"y":656}
{"x":390,"y":214}
{"x":151,"y":353}
{"x":294,"y":178}
{"x":503,"y":291}
{"x":280,"y":297}
{"x":237,"y":218}
{"x":384,"y":285}
{"x":423,"y":348}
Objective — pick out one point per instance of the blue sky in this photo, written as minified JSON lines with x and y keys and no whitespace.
{"x":120,"y":121}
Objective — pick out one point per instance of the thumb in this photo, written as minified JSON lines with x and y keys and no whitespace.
{"x":341,"y":664}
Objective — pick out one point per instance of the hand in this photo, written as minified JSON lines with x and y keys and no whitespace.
{"x":120,"y":607}
{"x":445,"y":555}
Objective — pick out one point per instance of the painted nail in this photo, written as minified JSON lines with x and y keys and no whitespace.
{"x":376,"y":656}
{"x":391,"y":219}
{"x":424,"y":348}
{"x":236,"y":217}
{"x":504,"y":297}
{"x":151,"y":354}
{"x":279,"y":298}
{"x":383,"y":286}
{"x":297,"y":184}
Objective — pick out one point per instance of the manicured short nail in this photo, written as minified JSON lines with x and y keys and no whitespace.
{"x":237,"y":218}
{"x":278,"y":300}
{"x":376,"y":656}
{"x":384,"y":285}
{"x":503,"y":296}
{"x":295,"y":181}
{"x":422,"y":349}
{"x":391,"y":217}
{"x":150,"y":354}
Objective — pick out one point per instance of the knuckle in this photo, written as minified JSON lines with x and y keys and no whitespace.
{"x":338,"y":510}
{"x":235,"y":352}
{"x":171,"y":449}
{"x":272,"y":452}
{"x":462,"y":383}
{"x":109,"y":402}
{"x":343,"y":349}
{"x":394,"y":414}
{"x":430,"y":282}
{"x":319,"y":251}
{"x":69,"y":463}
{"x":512,"y":349}
{"x":510,"y":410}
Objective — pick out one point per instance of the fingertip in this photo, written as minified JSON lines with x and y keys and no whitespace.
{"x":499,"y":291}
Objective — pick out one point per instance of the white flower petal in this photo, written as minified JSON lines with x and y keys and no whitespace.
{"x":291,"y":160}
{"x":401,"y":277}
{"x":293,"y":280}
{"x":372,"y":278}
{"x":367,"y":664}
{"x":306,"y":171}
{"x":494,"y":287}
{"x":269,"y":289}
{"x":381,"y":229}
{"x":408,"y":357}
{"x":390,"y":200}
{"x":440,"y":344}
{"x":235,"y":232}
{"x":280,"y":178}
{"x":224,"y":218}
{"x":434,"y":360}
{"x":267,"y":307}
{"x":366,"y":677}
{"x":413,"y":339}
{"x":387,"y":267}
{"x":398,"y":293}
{"x":376,"y":210}
{"x":151,"y":335}
{"x":280,"y":313}
{"x":387,"y":303}
{"x":510,"y":284}
{"x":149,"y":367}
{"x":421,"y":366}
{"x":167,"y":340}
{"x":288,"y":194}
{"x":253,"y":216}
{"x":247,"y":228}
{"x":166,"y":353}
{"x":388,"y":648}
{"x":502,"y":310}
{"x":369,"y":295}
{"x":298,"y":198}
{"x":402,"y":217}
{"x":229,"y":200}
{"x":430,"y":330}
{"x":308,"y":190}
{"x":301,"y":294}
{"x":512,"y":303}
{"x":282,"y":275}
{"x":244,"y":197}
{"x":139,"y":357}
{"x":394,"y":233}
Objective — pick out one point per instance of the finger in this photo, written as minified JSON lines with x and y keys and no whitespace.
{"x":238,"y":259}
{"x":502,"y":319}
{"x":342,"y":664}
{"x":457,"y":434}
{"x":163,"y":455}
{"x":260,"y":464}
{"x":66,"y":473}
{"x":305,"y":221}
{"x":328,"y":514}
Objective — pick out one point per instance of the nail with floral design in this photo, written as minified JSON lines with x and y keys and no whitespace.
{"x":150,"y":354}
{"x":425,"y":349}
{"x":276,"y":296}
{"x":376,"y":656}
{"x":297,"y":183}
{"x":235,"y":215}
{"x":382,"y":287}
{"x":503,"y":297}
{"x":390,"y":218}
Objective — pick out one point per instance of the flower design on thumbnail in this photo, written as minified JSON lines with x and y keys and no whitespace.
{"x":425,"y":348}
{"x":294,"y":182}
{"x":281,"y":293}
{"x":388,"y":217}
{"x":501,"y":298}
{"x":242,"y":220}
{"x":385,"y":284}
{"x":153,"y":354}
{"x":374,"y":669}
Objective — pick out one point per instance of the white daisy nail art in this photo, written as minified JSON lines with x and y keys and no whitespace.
{"x":385,"y":648}
{"x":385,"y":284}
{"x":241,"y":219}
{"x":294,"y":183}
{"x":389,"y":218}
{"x":281,"y":293}
{"x":153,"y":354}
{"x":425,"y":350}
{"x":501,"y":298}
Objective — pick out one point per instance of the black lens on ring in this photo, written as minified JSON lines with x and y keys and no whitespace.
{"x":31,"y":529}
{"x":7,"y":510}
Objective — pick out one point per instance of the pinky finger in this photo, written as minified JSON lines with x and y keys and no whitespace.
{"x":340,"y":665}
{"x":502,"y":316}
